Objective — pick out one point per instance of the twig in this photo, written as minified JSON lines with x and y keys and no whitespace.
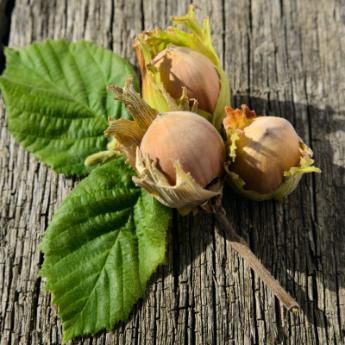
{"x":241,"y":247}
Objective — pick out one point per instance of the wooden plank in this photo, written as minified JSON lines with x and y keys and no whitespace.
{"x":283,"y":58}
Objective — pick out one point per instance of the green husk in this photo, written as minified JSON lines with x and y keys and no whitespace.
{"x":195,"y":36}
{"x":236,"y":120}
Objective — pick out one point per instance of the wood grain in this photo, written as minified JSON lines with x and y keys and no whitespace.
{"x":283,"y":57}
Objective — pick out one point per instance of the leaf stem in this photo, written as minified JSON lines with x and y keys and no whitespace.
{"x":241,"y":247}
{"x":100,"y":158}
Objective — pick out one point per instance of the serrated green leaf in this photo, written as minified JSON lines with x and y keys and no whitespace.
{"x":57,"y":102}
{"x":101,"y":248}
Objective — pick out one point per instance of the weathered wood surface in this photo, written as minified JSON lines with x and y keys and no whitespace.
{"x":283,"y":57}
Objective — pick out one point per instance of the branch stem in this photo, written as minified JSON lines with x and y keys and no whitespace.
{"x":242,"y":249}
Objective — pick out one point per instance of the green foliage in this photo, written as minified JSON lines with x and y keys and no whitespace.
{"x":101,"y":248}
{"x":57,"y":101}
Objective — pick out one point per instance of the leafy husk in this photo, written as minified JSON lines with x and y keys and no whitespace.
{"x":185,"y":195}
{"x":234,"y":123}
{"x":195,"y":36}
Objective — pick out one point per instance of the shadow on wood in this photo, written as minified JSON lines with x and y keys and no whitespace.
{"x":293,"y":244}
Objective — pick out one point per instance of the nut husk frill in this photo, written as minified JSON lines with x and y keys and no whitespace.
{"x":172,"y":59}
{"x":178,"y":156}
{"x":266,"y":156}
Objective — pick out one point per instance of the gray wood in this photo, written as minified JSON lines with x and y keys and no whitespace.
{"x":283,"y":57}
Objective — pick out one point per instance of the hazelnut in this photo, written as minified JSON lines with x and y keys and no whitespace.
{"x":178,"y":156}
{"x":267,"y":158}
{"x":188,"y":138}
{"x":182,"y":67}
{"x":269,"y":147}
{"x":179,"y":66}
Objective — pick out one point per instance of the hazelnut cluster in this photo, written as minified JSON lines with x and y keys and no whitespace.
{"x":185,"y":140}
{"x":175,"y":142}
